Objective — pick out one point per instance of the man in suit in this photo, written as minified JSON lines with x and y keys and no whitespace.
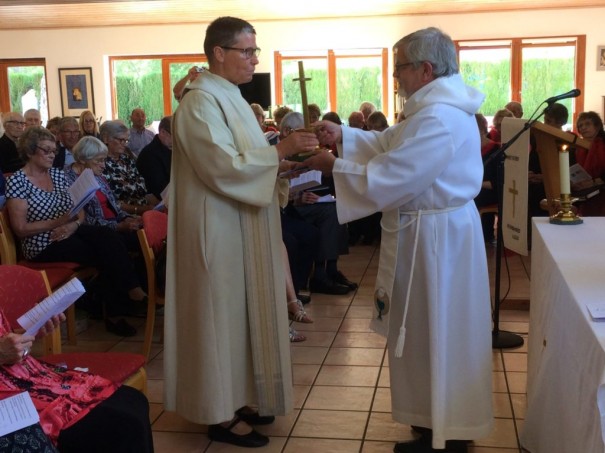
{"x":68,"y":135}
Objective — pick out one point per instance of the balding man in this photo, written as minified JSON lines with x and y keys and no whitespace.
{"x":32,"y":118}
{"x":140,"y":137}
{"x":67,"y":137}
{"x":14,"y":125}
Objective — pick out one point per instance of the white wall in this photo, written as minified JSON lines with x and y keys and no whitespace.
{"x":91,"y":47}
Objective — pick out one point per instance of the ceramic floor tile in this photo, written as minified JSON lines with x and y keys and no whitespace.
{"x":502,"y":405}
{"x":306,"y":445}
{"x":382,"y":400}
{"x":340,"y":398}
{"x":281,"y":427}
{"x":171,"y":421}
{"x":354,"y":356}
{"x":499,"y":383}
{"x":275,"y":445}
{"x":359,"y":340}
{"x":517,"y":381}
{"x":363,"y":301}
{"x":359,"y":376}
{"x":519,"y":405}
{"x":300,"y":393}
{"x":165,"y":442}
{"x":330,"y":424}
{"x":515,"y":361}
{"x":155,"y":369}
{"x":304,"y":374}
{"x":503,"y":435}
{"x":303,"y":354}
{"x":370,"y":446}
{"x":385,"y":377}
{"x":323,"y":339}
{"x":155,"y":390}
{"x":355,"y":325}
{"x":319,"y":324}
{"x":363,"y":312}
{"x":155,"y":410}
{"x":382,"y":427}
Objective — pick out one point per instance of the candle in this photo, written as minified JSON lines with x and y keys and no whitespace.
{"x":564,"y":170}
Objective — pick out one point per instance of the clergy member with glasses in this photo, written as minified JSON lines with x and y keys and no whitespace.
{"x":227,"y":350}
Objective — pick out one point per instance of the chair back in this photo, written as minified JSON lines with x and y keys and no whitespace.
{"x":8,"y":245}
{"x":20,"y":289}
{"x":155,"y":224}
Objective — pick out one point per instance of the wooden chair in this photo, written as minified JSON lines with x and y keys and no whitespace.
{"x":21,"y":288}
{"x":151,"y":239}
{"x":57,"y":273}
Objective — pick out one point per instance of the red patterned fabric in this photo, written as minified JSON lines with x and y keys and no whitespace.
{"x":155,"y":224}
{"x":61,"y":396}
{"x":115,"y":366}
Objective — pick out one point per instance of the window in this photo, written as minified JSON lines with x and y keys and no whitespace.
{"x":23,"y":86}
{"x":527,"y":70}
{"x":146,"y":82}
{"x":340,"y":79}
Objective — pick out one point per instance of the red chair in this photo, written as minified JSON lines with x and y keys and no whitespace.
{"x":151,"y":238}
{"x":21,"y":288}
{"x":57,"y":273}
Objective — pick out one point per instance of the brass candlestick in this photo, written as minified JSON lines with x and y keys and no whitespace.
{"x":566,"y":216}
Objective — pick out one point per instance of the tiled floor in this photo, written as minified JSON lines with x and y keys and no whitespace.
{"x":341,"y":382}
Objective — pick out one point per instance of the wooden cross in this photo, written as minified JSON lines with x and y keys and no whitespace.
{"x":514,"y":192}
{"x":303,"y":93}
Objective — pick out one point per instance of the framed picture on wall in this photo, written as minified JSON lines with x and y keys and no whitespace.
{"x":601,"y":58}
{"x":76,"y":90}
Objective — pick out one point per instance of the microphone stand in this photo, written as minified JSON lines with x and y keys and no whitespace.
{"x":502,"y":339}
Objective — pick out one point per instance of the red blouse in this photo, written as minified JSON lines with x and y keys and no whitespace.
{"x":593,"y":160}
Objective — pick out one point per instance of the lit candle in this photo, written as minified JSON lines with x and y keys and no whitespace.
{"x":564,"y":170}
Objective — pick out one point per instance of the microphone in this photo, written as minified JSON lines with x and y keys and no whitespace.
{"x":570,"y":94}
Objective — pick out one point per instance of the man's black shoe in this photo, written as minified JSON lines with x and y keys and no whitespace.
{"x":327,"y":286}
{"x":253,"y":439}
{"x":342,"y":280}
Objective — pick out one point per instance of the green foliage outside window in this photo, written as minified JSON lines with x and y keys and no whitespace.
{"x":23,"y":79}
{"x":139,"y":85}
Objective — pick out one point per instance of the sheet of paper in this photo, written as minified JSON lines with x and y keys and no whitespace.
{"x":578,"y":174}
{"x":17,"y":412}
{"x":54,"y":304}
{"x":597,"y":311}
{"x":82,"y":190}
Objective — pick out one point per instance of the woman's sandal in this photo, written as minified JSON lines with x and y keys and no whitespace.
{"x":296,"y":312}
{"x":296,"y":337}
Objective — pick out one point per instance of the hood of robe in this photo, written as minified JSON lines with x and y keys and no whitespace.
{"x":445,"y":90}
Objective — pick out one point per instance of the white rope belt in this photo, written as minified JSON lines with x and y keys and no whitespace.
{"x":417,"y":216}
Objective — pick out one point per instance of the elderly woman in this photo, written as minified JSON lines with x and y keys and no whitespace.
{"x":102,"y":209}
{"x":121,"y":171}
{"x":590,"y":126}
{"x":39,"y":206}
{"x":495,"y":133}
{"x":78,"y":411}
{"x":88,"y":124}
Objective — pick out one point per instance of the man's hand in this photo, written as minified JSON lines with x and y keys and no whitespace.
{"x":328,"y":132}
{"x":322,"y":161}
{"x":297,"y":142}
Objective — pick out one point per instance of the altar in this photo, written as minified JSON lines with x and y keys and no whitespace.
{"x":566,"y":348}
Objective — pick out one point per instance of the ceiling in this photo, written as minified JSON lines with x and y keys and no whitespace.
{"x":41,"y":14}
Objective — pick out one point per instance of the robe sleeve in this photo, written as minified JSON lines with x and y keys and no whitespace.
{"x":387,"y":170}
{"x":224,"y":153}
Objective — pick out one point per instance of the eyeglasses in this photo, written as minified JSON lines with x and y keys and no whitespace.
{"x":122,"y":141}
{"x":99,"y":161}
{"x":398,"y":66}
{"x":18,"y":123}
{"x":248,"y":52}
{"x":46,"y":152}
{"x":89,"y":120}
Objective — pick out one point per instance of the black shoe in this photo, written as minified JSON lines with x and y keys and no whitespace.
{"x":424,"y":444}
{"x":327,"y":286}
{"x":254,"y":418}
{"x":303,"y":298}
{"x":120,"y":328}
{"x":253,"y":439}
{"x":342,"y":280}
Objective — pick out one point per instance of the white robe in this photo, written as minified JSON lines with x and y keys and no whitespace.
{"x":430,"y":162}
{"x":221,"y":164}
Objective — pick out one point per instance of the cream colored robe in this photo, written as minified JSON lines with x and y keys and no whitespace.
{"x":221,"y":165}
